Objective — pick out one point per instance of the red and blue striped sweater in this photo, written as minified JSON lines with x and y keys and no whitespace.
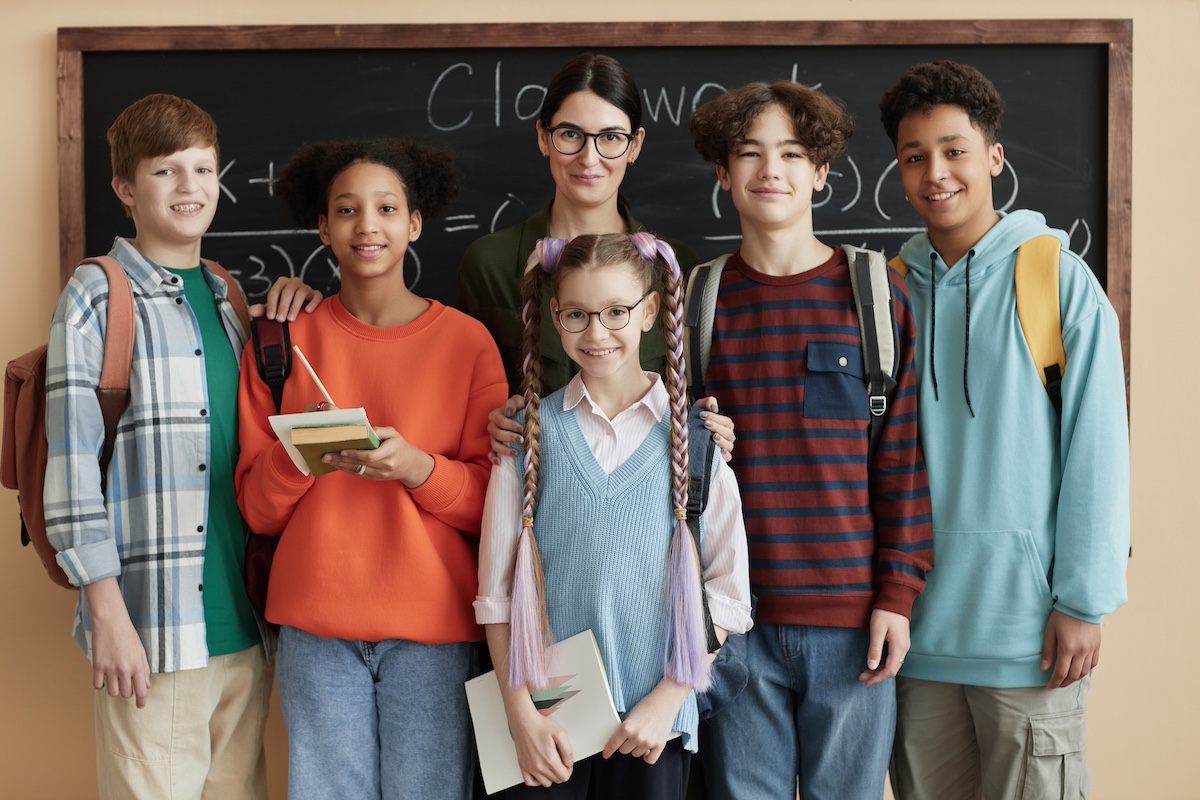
{"x":829,"y":539}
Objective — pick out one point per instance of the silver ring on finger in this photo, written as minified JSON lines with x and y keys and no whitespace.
{"x":360,"y":470}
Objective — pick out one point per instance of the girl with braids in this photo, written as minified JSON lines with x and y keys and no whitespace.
{"x":590,"y":534}
{"x":375,"y":571}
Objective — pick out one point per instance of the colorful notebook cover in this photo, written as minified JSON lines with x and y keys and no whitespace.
{"x":578,"y":700}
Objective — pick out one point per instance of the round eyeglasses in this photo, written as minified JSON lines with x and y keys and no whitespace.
{"x":576,"y":320}
{"x":569,"y":140}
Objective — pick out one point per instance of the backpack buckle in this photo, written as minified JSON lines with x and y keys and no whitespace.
{"x":878,"y":405}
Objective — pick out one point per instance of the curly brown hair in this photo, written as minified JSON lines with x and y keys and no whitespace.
{"x":429,"y":175}
{"x":823,"y":125}
{"x":943,"y":83}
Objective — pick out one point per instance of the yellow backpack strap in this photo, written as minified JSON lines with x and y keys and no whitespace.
{"x":898,"y":264}
{"x":1037,"y":304}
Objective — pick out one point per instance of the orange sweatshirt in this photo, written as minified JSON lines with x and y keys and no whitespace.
{"x":364,"y":559}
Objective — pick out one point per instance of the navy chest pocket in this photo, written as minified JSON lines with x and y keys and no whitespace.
{"x":833,"y":382}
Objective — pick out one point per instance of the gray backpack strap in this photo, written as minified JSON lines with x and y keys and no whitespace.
{"x":700,"y":304}
{"x":877,"y":326}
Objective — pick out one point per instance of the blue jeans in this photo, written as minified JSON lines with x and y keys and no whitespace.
{"x":376,"y":719}
{"x":803,"y":715}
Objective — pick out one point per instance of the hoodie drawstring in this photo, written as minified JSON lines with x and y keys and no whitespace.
{"x":967,"y":337}
{"x":933,"y":320}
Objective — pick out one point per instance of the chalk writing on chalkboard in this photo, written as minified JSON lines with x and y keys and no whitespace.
{"x":291,"y":252}
{"x":481,"y":104}
{"x":476,"y":88}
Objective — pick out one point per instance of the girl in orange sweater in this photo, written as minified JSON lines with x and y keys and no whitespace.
{"x":375,"y":571}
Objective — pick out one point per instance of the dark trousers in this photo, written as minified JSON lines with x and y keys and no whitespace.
{"x":619,"y":778}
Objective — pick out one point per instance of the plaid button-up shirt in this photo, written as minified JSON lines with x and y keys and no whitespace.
{"x":148,"y":531}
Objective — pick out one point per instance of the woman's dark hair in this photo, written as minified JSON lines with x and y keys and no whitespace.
{"x":429,"y":176}
{"x":599,"y":74}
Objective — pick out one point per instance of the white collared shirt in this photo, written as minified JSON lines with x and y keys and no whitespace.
{"x":723,"y":553}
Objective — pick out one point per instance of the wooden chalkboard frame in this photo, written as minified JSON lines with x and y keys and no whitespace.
{"x":1117,"y":34}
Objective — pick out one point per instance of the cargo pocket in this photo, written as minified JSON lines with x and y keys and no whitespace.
{"x":1056,"y":762}
{"x":833,"y":382}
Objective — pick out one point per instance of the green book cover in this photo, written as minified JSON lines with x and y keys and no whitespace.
{"x":315,"y":442}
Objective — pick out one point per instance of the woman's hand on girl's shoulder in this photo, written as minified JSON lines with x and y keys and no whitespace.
{"x":504,"y":430}
{"x":720,"y":426}
{"x":543,"y":750}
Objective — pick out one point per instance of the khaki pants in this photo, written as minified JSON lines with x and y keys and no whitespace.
{"x":199,"y":736}
{"x":956,"y":742}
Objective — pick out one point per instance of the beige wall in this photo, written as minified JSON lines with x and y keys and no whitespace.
{"x":1145,"y":697}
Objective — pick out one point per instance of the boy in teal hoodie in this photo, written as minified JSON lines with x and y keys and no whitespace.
{"x":1030,"y":511}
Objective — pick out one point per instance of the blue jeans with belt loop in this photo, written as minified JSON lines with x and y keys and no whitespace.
{"x":376,"y":719}
{"x":805,"y":716}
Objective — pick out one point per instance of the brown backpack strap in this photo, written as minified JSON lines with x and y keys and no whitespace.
{"x":233,"y":291}
{"x":113,"y":392}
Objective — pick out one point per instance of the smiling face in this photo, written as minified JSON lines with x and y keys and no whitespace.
{"x":947,"y":167}
{"x":368,"y":225}
{"x":172,"y":200}
{"x":585,"y":180}
{"x":769,"y":175}
{"x":601,"y":353}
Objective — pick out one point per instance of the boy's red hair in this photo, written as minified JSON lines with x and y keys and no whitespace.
{"x":158,"y":125}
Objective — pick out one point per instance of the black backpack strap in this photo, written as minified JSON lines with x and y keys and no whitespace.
{"x":701,"y":450}
{"x":272,"y":355}
{"x":691,"y":320}
{"x":1054,"y":389}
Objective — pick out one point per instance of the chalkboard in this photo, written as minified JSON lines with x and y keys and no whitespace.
{"x":476,"y":90}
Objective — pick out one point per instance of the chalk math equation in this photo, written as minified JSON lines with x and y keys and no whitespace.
{"x":485,"y":112}
{"x":298,"y":253}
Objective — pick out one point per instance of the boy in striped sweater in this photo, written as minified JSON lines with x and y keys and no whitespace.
{"x":839,"y":545}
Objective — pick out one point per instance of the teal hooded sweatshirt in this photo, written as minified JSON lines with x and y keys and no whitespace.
{"x":1028,"y":515}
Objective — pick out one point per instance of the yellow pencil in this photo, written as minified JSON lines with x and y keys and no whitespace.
{"x":313,"y":375}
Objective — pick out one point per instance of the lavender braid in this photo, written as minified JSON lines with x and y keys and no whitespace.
{"x":686,"y":657}
{"x":529,"y":624}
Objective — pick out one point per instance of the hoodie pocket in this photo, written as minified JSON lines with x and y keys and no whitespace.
{"x":833,"y":382}
{"x":987,"y":597}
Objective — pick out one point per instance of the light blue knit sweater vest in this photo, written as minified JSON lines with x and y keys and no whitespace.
{"x":604,"y":542}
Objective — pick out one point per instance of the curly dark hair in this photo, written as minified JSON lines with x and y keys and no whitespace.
{"x":823,"y":126}
{"x":943,"y":83}
{"x":429,"y":175}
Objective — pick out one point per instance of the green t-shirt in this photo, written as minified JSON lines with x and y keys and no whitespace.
{"x":227,"y":613}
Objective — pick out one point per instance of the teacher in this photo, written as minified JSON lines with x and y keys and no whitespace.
{"x":590,"y":132}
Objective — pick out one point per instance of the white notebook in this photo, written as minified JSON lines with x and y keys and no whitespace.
{"x":283,"y":424}
{"x":578,"y":700}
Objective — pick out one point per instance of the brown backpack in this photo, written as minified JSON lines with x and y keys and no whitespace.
{"x":23,"y":457}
